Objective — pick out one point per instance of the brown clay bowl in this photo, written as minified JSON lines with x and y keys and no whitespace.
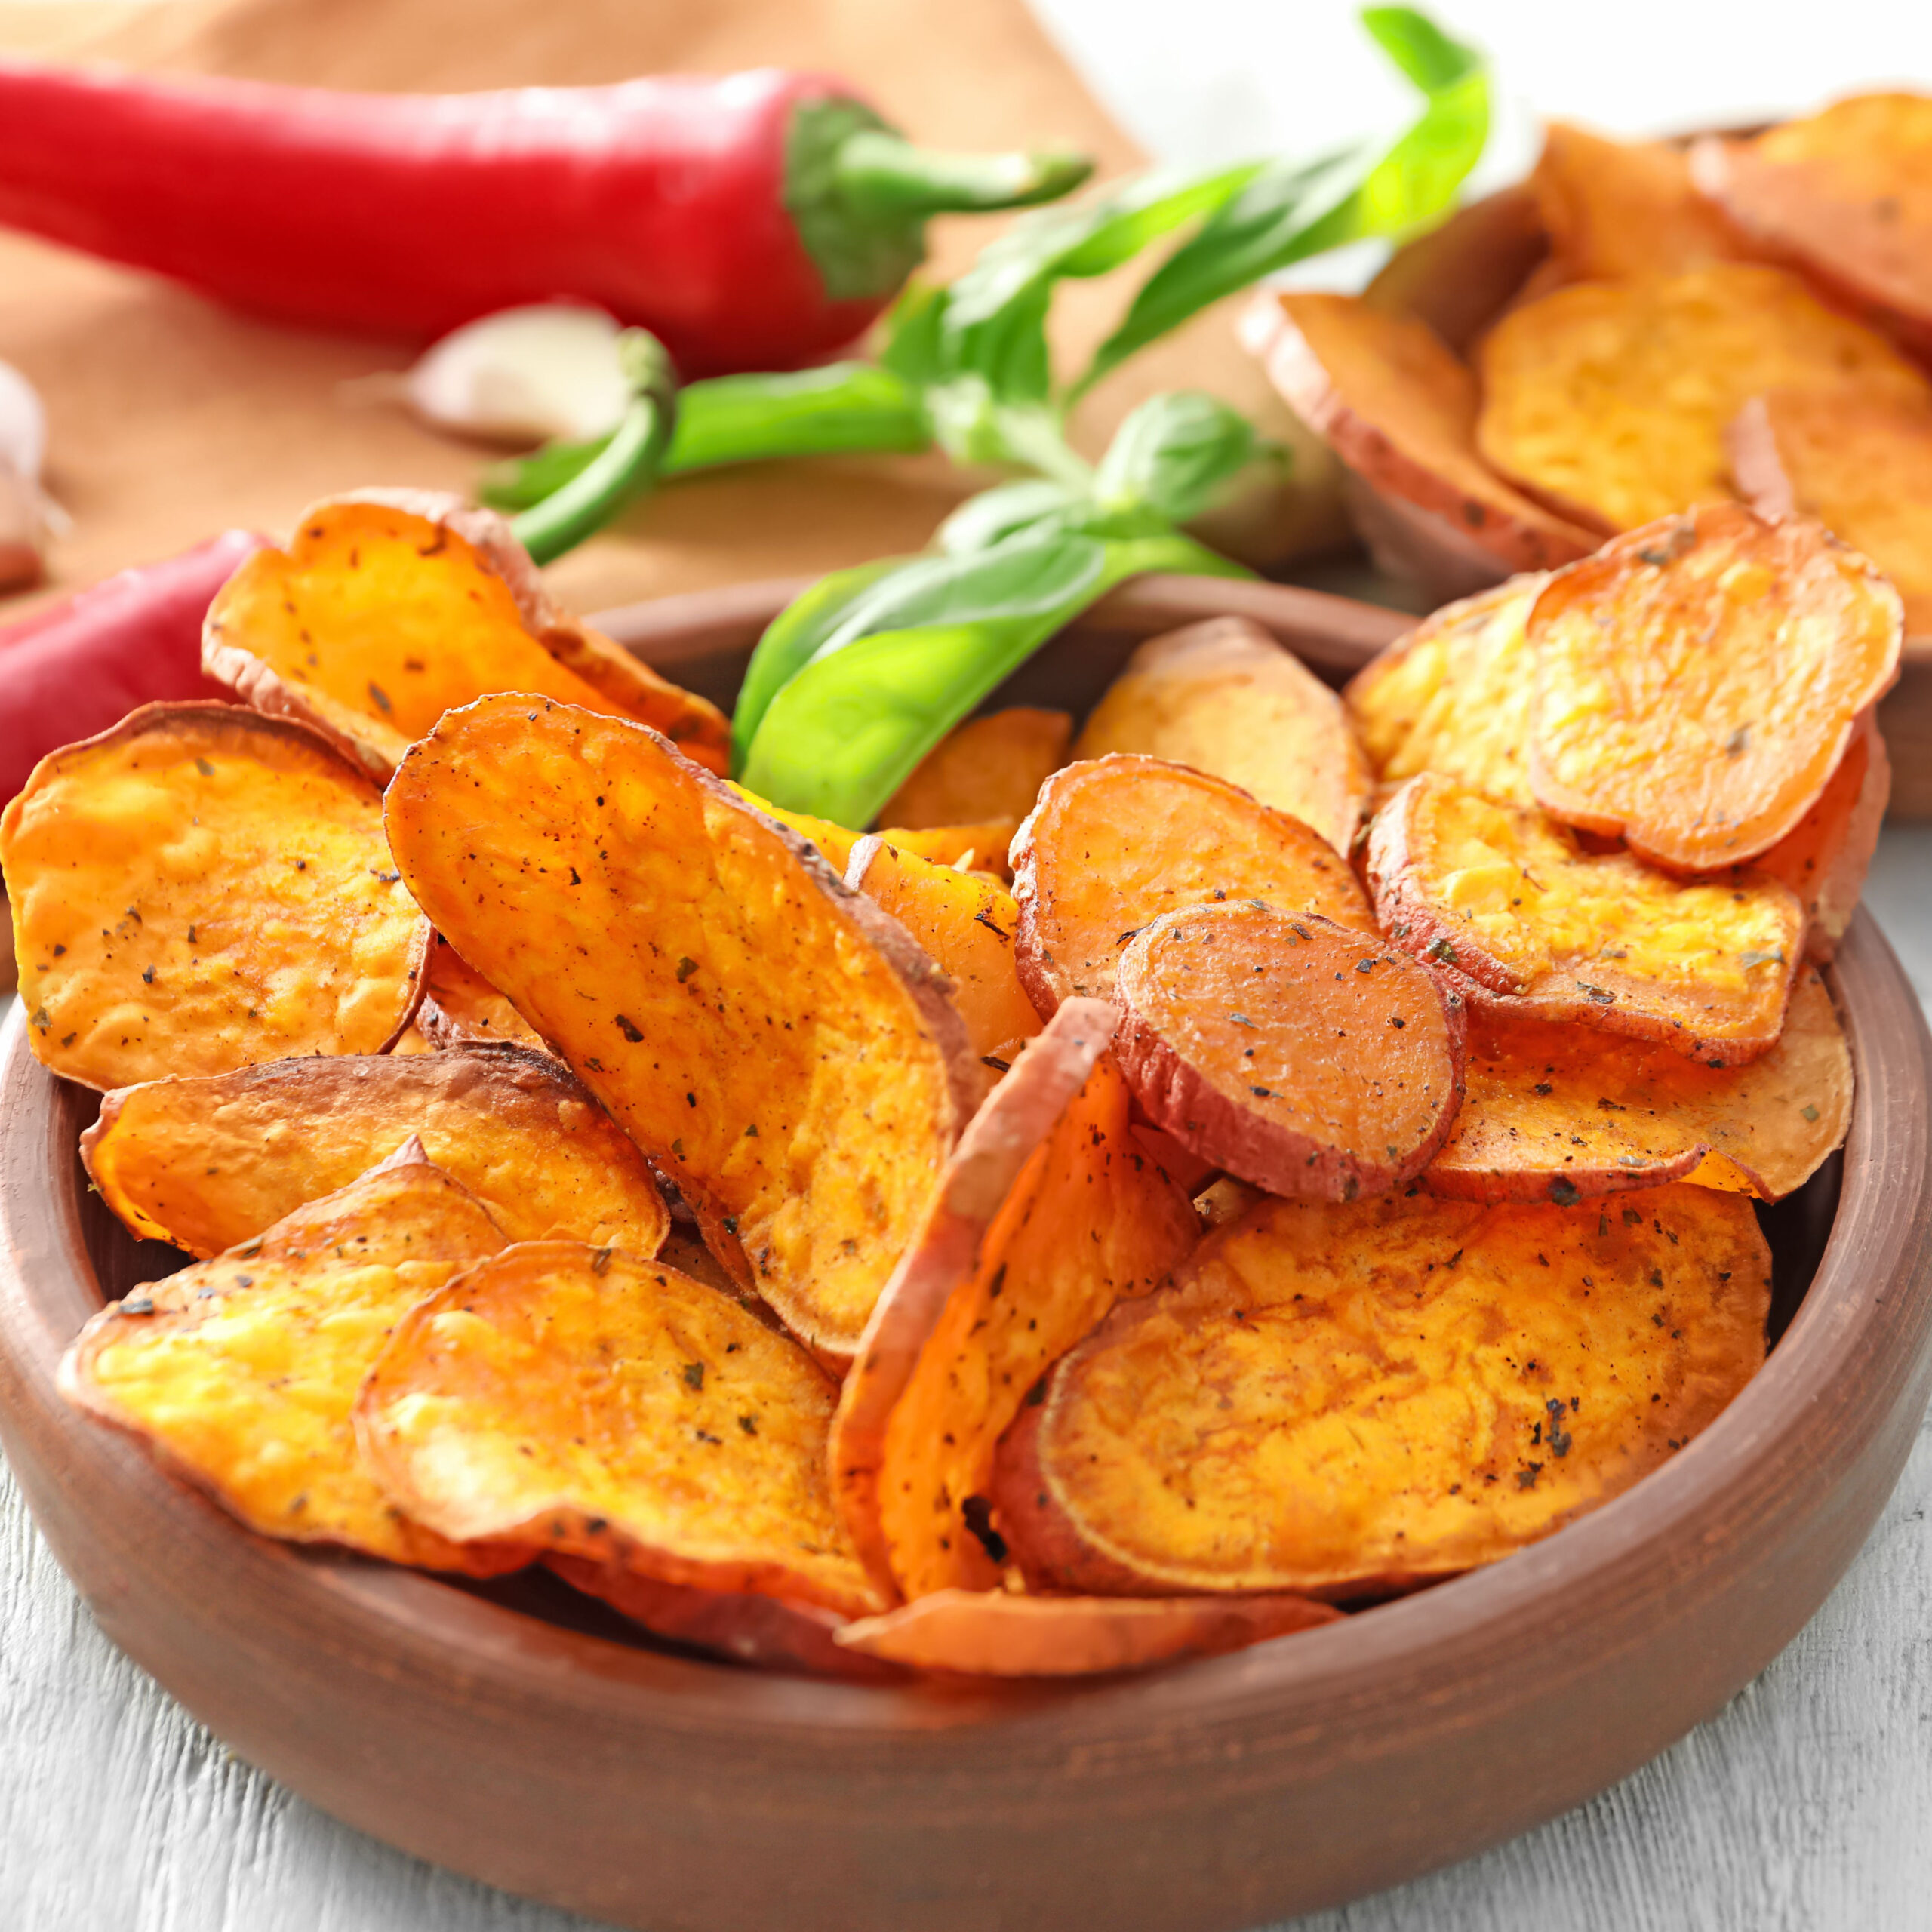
{"x":1458,"y":279}
{"x":522,"y":1735}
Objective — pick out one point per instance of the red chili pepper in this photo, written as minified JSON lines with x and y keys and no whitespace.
{"x":757,"y":221}
{"x":76,"y":668}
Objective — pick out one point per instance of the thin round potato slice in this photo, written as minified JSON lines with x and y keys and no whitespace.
{"x":779,"y":1047}
{"x":389,"y":607}
{"x":997,"y":1633}
{"x":1848,"y":194}
{"x":201,"y":888}
{"x":1223,"y":697}
{"x":240,"y":1373}
{"x":1341,"y":1400}
{"x":462,"y":1008}
{"x":1049,"y":1213}
{"x":1556,"y":1112}
{"x":1453,"y":695}
{"x":990,"y":768}
{"x":1698,"y":683}
{"x":1503,"y":900}
{"x":1296,"y":1054}
{"x":592,"y":1405}
{"x":1610,"y":399}
{"x":207,"y":1163}
{"x":1401,"y":411}
{"x":1116,"y":842}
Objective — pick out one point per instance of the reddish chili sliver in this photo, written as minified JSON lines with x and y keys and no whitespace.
{"x":76,"y":668}
{"x":756,"y":221}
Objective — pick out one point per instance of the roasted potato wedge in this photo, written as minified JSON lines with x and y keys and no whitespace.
{"x":991,"y":767}
{"x":389,"y":608}
{"x":201,"y":888}
{"x":1116,"y":842}
{"x":1049,"y":1213}
{"x":1504,"y":903}
{"x":1223,"y":697}
{"x":1343,"y":1401}
{"x":240,"y":1372}
{"x":1698,"y":682}
{"x":777,"y":1045}
{"x":208,"y":1163}
{"x":1556,"y":1112}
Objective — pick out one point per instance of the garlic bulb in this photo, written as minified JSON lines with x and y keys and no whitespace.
{"x":524,"y":376}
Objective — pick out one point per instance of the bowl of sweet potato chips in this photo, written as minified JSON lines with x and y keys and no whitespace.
{"x":1264,"y":1284}
{"x":1640,"y":329}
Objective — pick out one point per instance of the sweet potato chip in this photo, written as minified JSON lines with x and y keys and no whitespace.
{"x":776,"y":1045}
{"x":1453,"y":695}
{"x":200,"y":888}
{"x":240,"y":1372}
{"x":387,"y":609}
{"x":1617,"y":209}
{"x":766,"y":1631}
{"x":1504,"y":902}
{"x":1697,"y":683}
{"x":1847,"y":193}
{"x":969,"y":923}
{"x":1224,"y":697}
{"x":1401,"y":411}
{"x":1295,"y":1053}
{"x":1555,"y":1112}
{"x":996,"y":1633}
{"x":976,"y":847}
{"x":206,"y":1163}
{"x":1345,"y":1400}
{"x":1116,"y":842}
{"x":461,"y":1007}
{"x":1049,"y":1214}
{"x":1610,"y":399}
{"x":595,"y":1405}
{"x":991,"y":767}
{"x":1824,"y":859}
{"x":1863,"y":469}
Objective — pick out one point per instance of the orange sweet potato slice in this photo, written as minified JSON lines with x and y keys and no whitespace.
{"x":1557,"y":1112}
{"x":1610,"y":400}
{"x":1453,"y":695}
{"x":1617,"y":209}
{"x":1846,"y":193}
{"x":1049,"y":1214}
{"x":1503,"y":899}
{"x":1301,"y":1055}
{"x":1343,"y":1400}
{"x":995,"y":1633}
{"x":207,"y":1163}
{"x":1224,"y":697}
{"x":777,"y":1045}
{"x":461,"y":1007}
{"x":979,"y":847}
{"x":240,"y":1372}
{"x":990,"y":768}
{"x":969,"y":923}
{"x":1697,"y":683}
{"x":389,"y":608}
{"x":1824,"y":857}
{"x":200,"y":888}
{"x":1863,"y":469}
{"x":589,"y":1404}
{"x":1401,"y":411}
{"x":1116,"y":842}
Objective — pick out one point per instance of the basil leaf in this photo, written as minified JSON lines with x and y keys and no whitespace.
{"x":791,"y":639}
{"x":1290,"y":210}
{"x":1172,"y":454}
{"x":841,"y":737}
{"x":995,"y":515}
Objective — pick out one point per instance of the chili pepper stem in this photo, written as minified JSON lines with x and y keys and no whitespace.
{"x":627,"y":465}
{"x":880,"y":173}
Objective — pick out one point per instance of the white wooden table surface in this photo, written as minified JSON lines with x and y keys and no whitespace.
{"x":1805,"y":1806}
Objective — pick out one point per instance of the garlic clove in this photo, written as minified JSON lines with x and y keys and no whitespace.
{"x":524,"y":376}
